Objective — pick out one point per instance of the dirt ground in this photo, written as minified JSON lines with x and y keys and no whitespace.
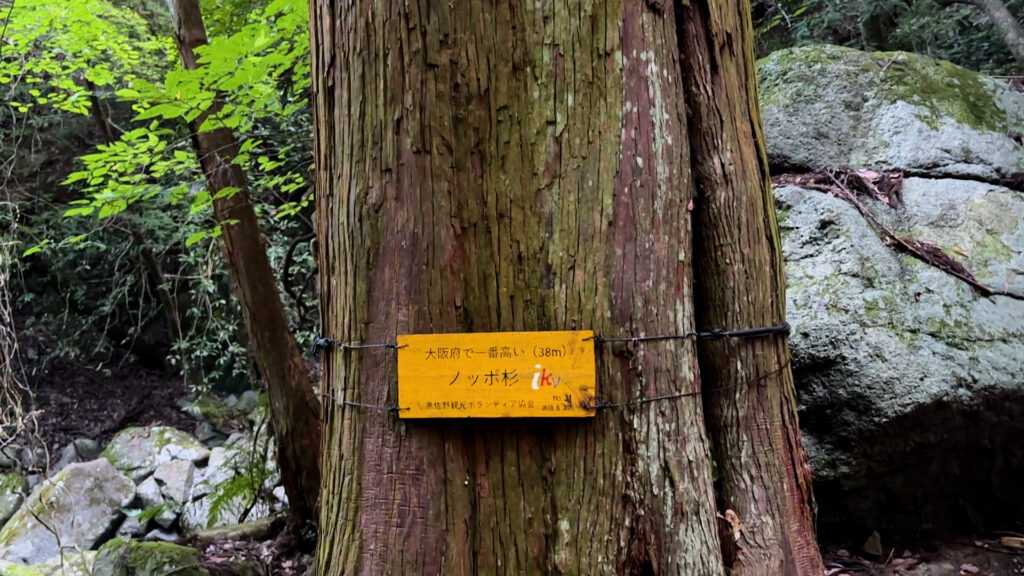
{"x":73,"y":401}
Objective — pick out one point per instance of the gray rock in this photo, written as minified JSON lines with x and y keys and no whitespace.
{"x":138,"y":451}
{"x":832,"y":106}
{"x":69,"y":564}
{"x":280,"y":499}
{"x":69,"y":512}
{"x":224,"y":491}
{"x":903,"y":372}
{"x":149,"y":496}
{"x":280,"y":494}
{"x":219,"y":469}
{"x":132,"y":527}
{"x":13,"y":489}
{"x":216,"y":510}
{"x":175,"y":479}
{"x":208,"y":435}
{"x":248,"y":401}
{"x":147,"y":493}
{"x":9,"y":459}
{"x":259,"y":416}
{"x":81,"y":450}
{"x":162,"y":536}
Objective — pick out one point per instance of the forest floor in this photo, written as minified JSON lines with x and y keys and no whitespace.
{"x":948,"y":557}
{"x":74,"y":402}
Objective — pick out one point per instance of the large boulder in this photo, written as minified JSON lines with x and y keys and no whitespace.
{"x":910,"y":382}
{"x":138,"y":451}
{"x":70,"y":512}
{"x":832,"y":106}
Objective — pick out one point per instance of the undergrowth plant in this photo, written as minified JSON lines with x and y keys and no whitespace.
{"x":954,"y":31}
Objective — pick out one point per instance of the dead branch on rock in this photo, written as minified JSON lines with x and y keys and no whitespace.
{"x":886,"y":187}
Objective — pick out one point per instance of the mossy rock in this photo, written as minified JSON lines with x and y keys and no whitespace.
{"x":138,"y":451}
{"x":13,"y":489}
{"x":832,"y":106}
{"x":72,"y":510}
{"x":228,"y":415}
{"x":121,"y":557}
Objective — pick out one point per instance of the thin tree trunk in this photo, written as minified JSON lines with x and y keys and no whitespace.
{"x":1008,"y":24}
{"x":507,"y":166}
{"x":294,"y":409}
{"x":749,"y":396}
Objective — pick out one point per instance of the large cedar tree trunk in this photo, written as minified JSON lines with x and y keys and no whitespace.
{"x":294,"y":410}
{"x":749,"y":396}
{"x":496,"y":166}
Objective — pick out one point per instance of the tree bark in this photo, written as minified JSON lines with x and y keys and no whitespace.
{"x":294,"y":408}
{"x":493,"y":167}
{"x":749,"y":397}
{"x":1008,"y":24}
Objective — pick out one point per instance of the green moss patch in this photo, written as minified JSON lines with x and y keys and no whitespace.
{"x":120,"y":557}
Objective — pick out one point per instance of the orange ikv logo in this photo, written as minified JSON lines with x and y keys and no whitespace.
{"x":544,"y":378}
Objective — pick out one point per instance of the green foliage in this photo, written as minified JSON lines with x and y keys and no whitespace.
{"x":958,"y":32}
{"x":62,"y":51}
{"x":142,"y":192}
{"x":253,"y":466}
{"x":144,"y":515}
{"x":256,"y":76}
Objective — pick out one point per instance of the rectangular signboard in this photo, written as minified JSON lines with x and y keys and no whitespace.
{"x":496,"y":375}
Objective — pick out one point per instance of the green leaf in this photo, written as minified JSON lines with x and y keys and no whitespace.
{"x":37,"y":248}
{"x":76,"y":176}
{"x":83,"y":211}
{"x":194,"y":238}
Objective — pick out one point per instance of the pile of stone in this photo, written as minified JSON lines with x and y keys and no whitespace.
{"x":150,"y":484}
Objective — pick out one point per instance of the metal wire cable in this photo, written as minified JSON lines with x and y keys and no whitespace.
{"x":324,"y":344}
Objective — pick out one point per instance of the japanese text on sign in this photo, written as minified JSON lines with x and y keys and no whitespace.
{"x":496,"y":375}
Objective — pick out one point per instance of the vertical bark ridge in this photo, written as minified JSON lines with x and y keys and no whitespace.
{"x":493,"y":167}
{"x":765,"y":478}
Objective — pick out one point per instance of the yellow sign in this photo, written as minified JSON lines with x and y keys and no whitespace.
{"x":496,"y":375}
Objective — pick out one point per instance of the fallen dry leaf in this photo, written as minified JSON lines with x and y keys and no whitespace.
{"x":969,"y":569}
